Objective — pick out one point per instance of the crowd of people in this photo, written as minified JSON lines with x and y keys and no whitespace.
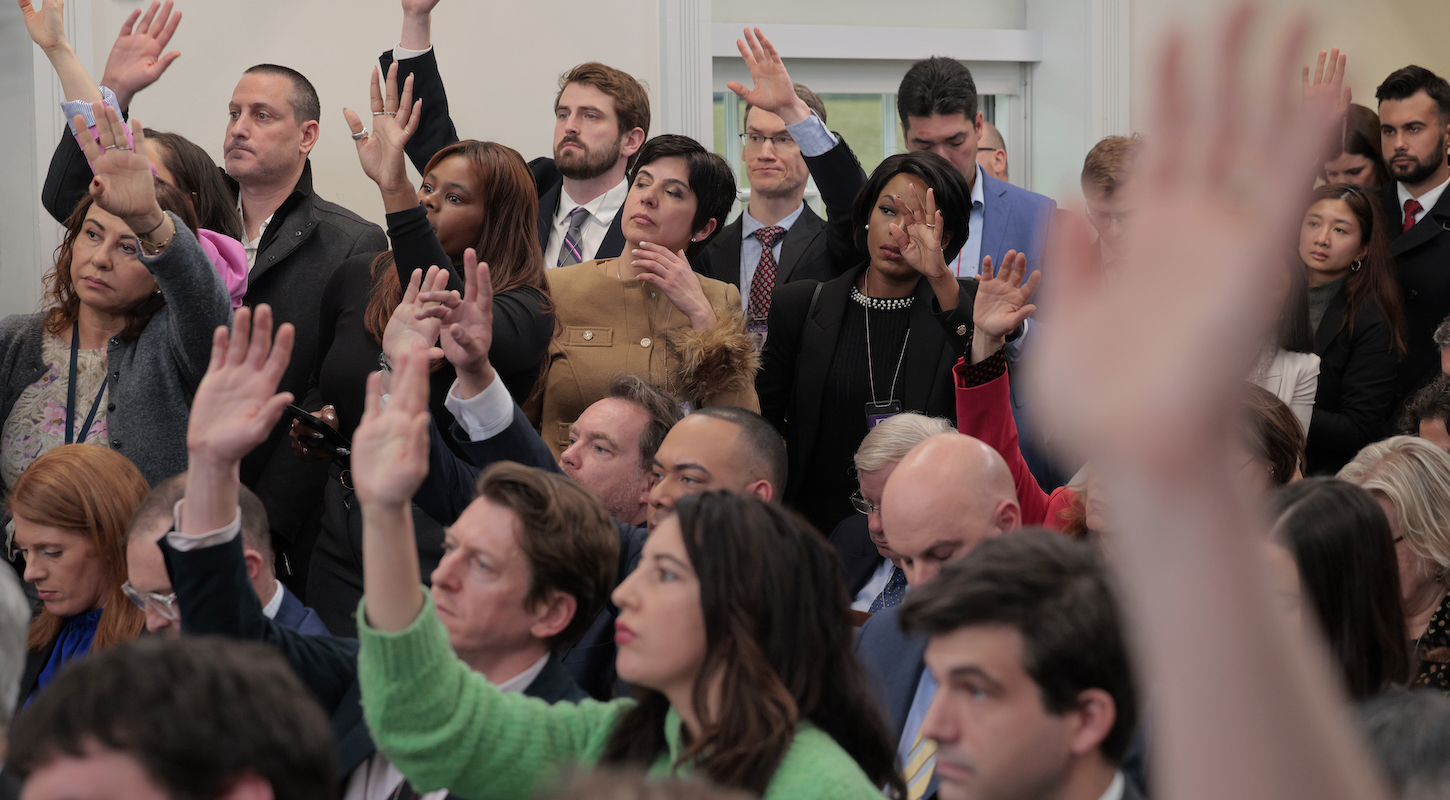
{"x":300,"y":507}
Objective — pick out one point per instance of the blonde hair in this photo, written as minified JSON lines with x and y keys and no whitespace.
{"x":1415,"y":476}
{"x":890,"y":441}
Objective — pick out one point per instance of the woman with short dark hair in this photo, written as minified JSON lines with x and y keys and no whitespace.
{"x":877,"y":341}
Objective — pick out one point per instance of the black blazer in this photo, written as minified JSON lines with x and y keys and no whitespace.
{"x":1422,"y":264}
{"x":813,"y":249}
{"x":436,"y":131}
{"x":211,"y":585}
{"x":859,"y":556}
{"x":448,"y":489}
{"x":1356,"y":386}
{"x":799,"y":351}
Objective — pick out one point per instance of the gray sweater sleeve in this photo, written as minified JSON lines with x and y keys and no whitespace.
{"x":195,"y":296}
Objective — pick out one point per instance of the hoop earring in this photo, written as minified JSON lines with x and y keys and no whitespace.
{"x":1355,"y":267}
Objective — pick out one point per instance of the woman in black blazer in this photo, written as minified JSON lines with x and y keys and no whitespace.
{"x":881,"y":339}
{"x":1358,"y":330}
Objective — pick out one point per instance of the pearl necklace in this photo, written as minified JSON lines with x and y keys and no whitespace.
{"x":880,"y":303}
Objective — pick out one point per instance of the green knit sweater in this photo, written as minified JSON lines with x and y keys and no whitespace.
{"x":444,"y":725}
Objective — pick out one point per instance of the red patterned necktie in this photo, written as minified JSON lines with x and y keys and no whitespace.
{"x":763,"y":283}
{"x":1412,"y":207}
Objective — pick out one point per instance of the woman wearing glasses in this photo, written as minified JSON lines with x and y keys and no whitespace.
{"x":70,"y":510}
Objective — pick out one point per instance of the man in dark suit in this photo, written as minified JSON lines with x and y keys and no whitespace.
{"x":146,"y":572}
{"x":1414,"y":109}
{"x":949,"y":494}
{"x":778,"y":238}
{"x":513,"y":626}
{"x":1036,"y":699}
{"x":601,"y":117}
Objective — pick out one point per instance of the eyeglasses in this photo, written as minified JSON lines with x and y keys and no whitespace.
{"x":1105,"y":221}
{"x":754,"y":141}
{"x":163,"y":604}
{"x":863,"y":505}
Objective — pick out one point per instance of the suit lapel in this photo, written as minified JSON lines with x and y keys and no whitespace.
{"x":818,"y":339}
{"x":1432,"y":225}
{"x":923,"y":357}
{"x":798,"y":239}
{"x":548,"y":206}
{"x":613,"y":243}
{"x":725,"y":262}
{"x":996,"y":213}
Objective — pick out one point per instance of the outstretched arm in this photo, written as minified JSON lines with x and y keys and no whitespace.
{"x":436,"y":130}
{"x":1141,"y":377}
{"x":46,"y":27}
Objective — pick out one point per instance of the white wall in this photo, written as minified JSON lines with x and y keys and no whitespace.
{"x":922,"y":13}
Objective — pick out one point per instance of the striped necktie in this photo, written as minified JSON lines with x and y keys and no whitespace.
{"x":920,"y":764}
{"x":573,"y":250}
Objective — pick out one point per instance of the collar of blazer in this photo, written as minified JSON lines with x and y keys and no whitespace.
{"x":1434,"y":224}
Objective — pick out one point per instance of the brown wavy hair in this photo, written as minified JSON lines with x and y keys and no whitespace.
{"x":91,"y":492}
{"x":62,"y":305}
{"x":1376,"y":277}
{"x":778,"y":639}
{"x":508,"y":241}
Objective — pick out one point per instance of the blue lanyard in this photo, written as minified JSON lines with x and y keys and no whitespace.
{"x":70,"y":401}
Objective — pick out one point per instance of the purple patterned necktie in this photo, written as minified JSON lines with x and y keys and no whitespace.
{"x":573,"y":250}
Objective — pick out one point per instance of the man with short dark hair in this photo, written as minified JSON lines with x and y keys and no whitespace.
{"x":1427,"y":413}
{"x":937,"y":103}
{"x":601,"y":119}
{"x":778,"y":238}
{"x":612,"y":446}
{"x":1414,"y":110}
{"x":157,"y":718}
{"x":1036,"y":697}
{"x":148,"y":584}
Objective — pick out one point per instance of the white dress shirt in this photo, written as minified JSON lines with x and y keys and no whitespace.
{"x":969,"y":261}
{"x":250,"y":245}
{"x":1427,"y":201}
{"x":602,"y":211}
{"x":873,"y":587}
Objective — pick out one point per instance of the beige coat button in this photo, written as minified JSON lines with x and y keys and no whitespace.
{"x":589,"y":336}
{"x":961,"y":330}
{"x":644,"y":342}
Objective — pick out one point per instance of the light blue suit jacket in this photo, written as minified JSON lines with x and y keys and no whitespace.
{"x":1014,"y":219}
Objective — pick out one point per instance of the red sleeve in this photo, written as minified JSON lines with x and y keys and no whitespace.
{"x":985,"y":412}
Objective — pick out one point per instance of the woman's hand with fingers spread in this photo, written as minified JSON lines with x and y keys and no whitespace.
{"x":390,"y":445}
{"x":1003,"y":303}
{"x":406,"y":327}
{"x":394,"y":121}
{"x":237,"y":404}
{"x":45,"y":25}
{"x":139,"y":58}
{"x":467,"y":325}
{"x":672,"y":274}
{"x":773,"y":91}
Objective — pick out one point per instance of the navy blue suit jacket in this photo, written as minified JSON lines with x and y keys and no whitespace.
{"x":448,"y":489}
{"x":292,"y":614}
{"x":894,"y":663}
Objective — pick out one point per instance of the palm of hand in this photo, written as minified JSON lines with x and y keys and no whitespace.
{"x":404,"y":325}
{"x":996,"y":306}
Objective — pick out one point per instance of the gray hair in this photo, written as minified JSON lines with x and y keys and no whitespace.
{"x":890,"y":441}
{"x":14,"y":627}
{"x":1442,"y":334}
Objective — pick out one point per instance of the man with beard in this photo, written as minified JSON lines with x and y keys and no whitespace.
{"x":1414,"y":113}
{"x":601,"y":117}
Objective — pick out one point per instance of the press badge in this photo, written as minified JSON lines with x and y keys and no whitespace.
{"x":876,"y":413}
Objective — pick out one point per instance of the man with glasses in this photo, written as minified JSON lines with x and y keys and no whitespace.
{"x":779,"y":238}
{"x":1105,"y":181}
{"x":149,"y":586}
{"x":992,"y":152}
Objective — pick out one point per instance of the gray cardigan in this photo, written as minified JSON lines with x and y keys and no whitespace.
{"x":152,"y":379}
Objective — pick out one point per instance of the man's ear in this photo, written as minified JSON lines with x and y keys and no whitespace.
{"x":1008,"y":516}
{"x":255,"y":562}
{"x":980,"y":124}
{"x":310,"y":132}
{"x":1092,"y":720}
{"x":250,"y":786}
{"x":553,"y":614}
{"x":761,"y":489}
{"x":631,"y":143}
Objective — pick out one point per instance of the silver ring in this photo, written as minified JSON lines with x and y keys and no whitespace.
{"x":358,"y":137}
{"x":122,"y":146}
{"x":381,"y":113}
{"x":111,"y":147}
{"x":929,"y":224}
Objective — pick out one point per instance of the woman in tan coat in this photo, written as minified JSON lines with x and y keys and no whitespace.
{"x":647,"y":313}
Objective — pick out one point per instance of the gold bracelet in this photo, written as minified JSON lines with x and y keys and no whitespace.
{"x":156,"y":249}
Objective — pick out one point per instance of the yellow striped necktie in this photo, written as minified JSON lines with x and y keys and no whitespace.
{"x":920,"y":764}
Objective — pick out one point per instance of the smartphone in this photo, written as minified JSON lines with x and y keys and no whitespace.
{"x":329,"y":434}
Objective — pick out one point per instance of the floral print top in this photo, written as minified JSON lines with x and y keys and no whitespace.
{"x":37,"y":422}
{"x":1433,"y":650}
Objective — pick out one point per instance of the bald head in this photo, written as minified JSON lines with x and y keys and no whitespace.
{"x":950,"y":493}
{"x":992,"y":152}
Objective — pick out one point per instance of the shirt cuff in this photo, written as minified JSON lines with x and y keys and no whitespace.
{"x":400,"y":52}
{"x":1015,"y":345}
{"x":70,"y":108}
{"x":188,"y":542}
{"x":812,"y":136}
{"x":486,"y":414}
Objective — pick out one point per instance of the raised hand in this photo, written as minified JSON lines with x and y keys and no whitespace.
{"x":773,"y":91}
{"x":1003,"y":302}
{"x":237,"y":403}
{"x":1153,"y":363}
{"x":917,"y":233}
{"x":138,"y":58}
{"x":406,"y":328}
{"x":1327,"y":89}
{"x":467,"y":324}
{"x":123,"y":184}
{"x":47,"y":25}
{"x":674,"y":276}
{"x":381,"y":150}
{"x":390,"y":446}
{"x":419,"y":6}
{"x":417,"y":24}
